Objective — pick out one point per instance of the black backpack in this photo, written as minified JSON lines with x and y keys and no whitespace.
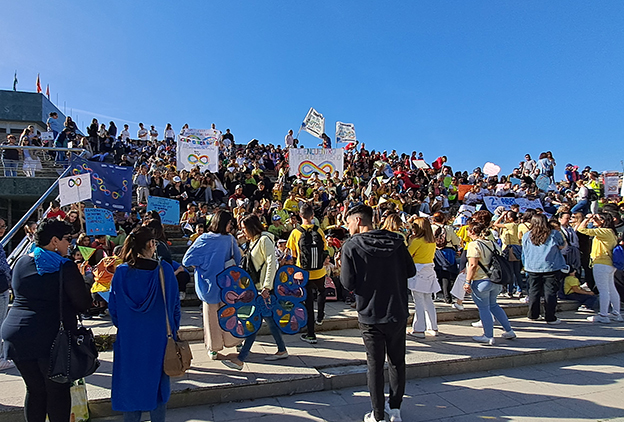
{"x":248,"y":265}
{"x":592,"y":195}
{"x":311,"y":249}
{"x":499,"y":270}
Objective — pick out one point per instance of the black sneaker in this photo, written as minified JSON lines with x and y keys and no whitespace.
{"x":308,"y":339}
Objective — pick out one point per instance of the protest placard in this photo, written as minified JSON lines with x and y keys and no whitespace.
{"x":168,"y":209}
{"x":74,"y":189}
{"x":345,"y":132}
{"x":306,"y":161}
{"x":314,"y":123}
{"x":99,"y":222}
{"x":47,"y":136}
{"x":611,"y":180}
{"x":493,"y":202}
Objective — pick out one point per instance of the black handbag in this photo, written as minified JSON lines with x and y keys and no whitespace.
{"x":73,"y":355}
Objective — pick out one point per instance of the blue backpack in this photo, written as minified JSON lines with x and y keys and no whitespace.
{"x":618,"y":257}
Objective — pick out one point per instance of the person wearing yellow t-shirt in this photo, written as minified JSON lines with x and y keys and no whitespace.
{"x":512,"y":251}
{"x":316,"y":280}
{"x":603,"y":242}
{"x":422,"y":248}
{"x":292,"y":203}
{"x":572,"y":291}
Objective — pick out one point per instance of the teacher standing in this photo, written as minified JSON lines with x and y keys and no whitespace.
{"x":33,"y":321}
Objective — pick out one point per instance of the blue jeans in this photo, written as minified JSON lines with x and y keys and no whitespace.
{"x":581,"y":206}
{"x":10,"y":168}
{"x":484,"y":294}
{"x":275,"y":332}
{"x":156,"y":415}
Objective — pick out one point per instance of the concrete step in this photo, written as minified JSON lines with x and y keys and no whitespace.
{"x":339,"y":316}
{"x":338,"y":361}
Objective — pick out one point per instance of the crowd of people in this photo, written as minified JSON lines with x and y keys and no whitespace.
{"x":253,"y":213}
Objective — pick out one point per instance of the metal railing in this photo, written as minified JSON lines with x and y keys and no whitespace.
{"x":40,"y":162}
{"x":24,"y":245}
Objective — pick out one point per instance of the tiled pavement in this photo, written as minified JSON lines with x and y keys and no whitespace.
{"x":590,"y":389}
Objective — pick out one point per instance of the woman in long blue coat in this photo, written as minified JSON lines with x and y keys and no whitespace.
{"x":138,"y":311}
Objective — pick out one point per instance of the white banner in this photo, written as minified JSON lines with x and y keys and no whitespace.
{"x":306,"y":161}
{"x":201,"y":136}
{"x":314,"y":123}
{"x":197,"y":153}
{"x":611,"y":180}
{"x":345,"y":132}
{"x":75,"y":188}
{"x":493,"y":202}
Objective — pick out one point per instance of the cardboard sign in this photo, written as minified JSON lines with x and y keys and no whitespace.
{"x":99,"y":222}
{"x":168,"y":209}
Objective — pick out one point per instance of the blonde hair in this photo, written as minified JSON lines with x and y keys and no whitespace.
{"x":422,"y":228}
{"x":392,"y":223}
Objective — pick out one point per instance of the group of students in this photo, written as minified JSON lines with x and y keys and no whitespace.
{"x":242,"y":211}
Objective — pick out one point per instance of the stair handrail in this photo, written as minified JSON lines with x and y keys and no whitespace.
{"x":18,"y":226}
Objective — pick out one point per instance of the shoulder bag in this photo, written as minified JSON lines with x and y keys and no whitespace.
{"x":73,"y":355}
{"x":178,"y":353}
{"x":231,"y":262}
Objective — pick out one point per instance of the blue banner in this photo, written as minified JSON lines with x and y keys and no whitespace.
{"x":169,"y":209}
{"x":111,"y":185}
{"x":99,"y":222}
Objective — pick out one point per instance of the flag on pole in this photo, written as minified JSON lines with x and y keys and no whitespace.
{"x":15,"y":81}
{"x":38,"y":84}
{"x":314,"y":123}
{"x":345,"y":132}
{"x":48,"y":91}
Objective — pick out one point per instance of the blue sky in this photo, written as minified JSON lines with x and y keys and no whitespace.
{"x":476,"y":81}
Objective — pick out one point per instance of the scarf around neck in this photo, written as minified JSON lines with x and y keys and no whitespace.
{"x":47,"y":261}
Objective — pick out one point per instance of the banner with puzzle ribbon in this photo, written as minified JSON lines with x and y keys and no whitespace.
{"x":111,"y":185}
{"x":306,"y":161}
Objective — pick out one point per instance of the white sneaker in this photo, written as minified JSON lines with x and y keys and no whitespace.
{"x":416,"y":334}
{"x":599,"y":318}
{"x":6,"y":364}
{"x":458,"y":306}
{"x":485,"y":340}
{"x":555,"y":322}
{"x":394,"y":415}
{"x":616,"y":317}
{"x":524,"y":299}
{"x":509,"y":335}
{"x":370,"y":417}
{"x":182,"y":295}
{"x":477,"y":324}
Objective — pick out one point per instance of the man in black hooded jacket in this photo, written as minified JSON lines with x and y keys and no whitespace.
{"x":376,"y":266}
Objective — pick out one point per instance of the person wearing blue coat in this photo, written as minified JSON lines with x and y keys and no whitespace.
{"x":137,"y":308}
{"x":209,"y":254}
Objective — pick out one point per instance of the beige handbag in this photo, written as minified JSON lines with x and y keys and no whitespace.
{"x":178,"y":355}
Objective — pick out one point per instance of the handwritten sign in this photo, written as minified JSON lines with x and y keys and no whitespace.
{"x":74,"y":189}
{"x":168,"y":209}
{"x":99,"y":222}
